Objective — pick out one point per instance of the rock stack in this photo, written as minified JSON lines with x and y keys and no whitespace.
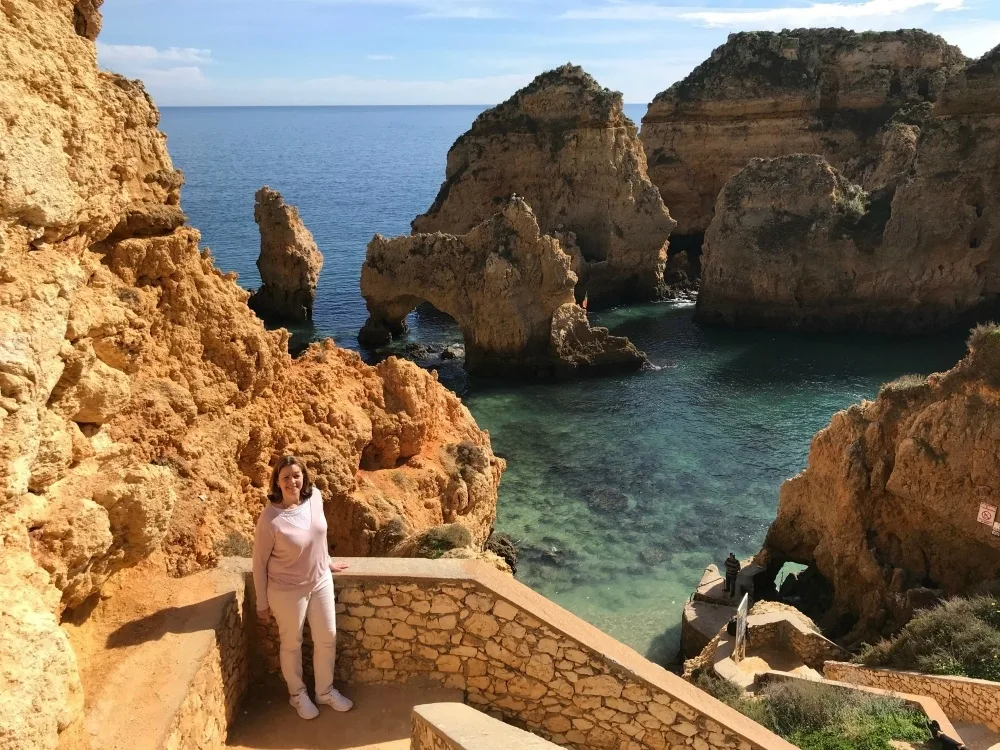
{"x":289,"y":261}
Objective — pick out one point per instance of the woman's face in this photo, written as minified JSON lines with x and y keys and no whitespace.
{"x":290,"y":482}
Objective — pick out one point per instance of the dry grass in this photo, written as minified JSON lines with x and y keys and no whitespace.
{"x":814,"y":716}
{"x":960,"y":637}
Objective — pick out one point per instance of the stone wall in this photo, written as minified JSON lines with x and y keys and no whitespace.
{"x":209,"y":708}
{"x":791,"y":633}
{"x":464,"y":625}
{"x":455,"y":726}
{"x":963,"y":699}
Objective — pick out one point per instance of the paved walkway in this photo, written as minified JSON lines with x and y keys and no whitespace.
{"x":380,"y":719}
{"x":978,"y":737}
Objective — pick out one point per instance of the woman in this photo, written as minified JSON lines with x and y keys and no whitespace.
{"x":293,"y":581}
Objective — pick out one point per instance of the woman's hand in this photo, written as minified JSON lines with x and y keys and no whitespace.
{"x":264,"y":614}
{"x":337,"y":567}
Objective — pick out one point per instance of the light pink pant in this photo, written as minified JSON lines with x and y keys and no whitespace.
{"x":290,"y":609}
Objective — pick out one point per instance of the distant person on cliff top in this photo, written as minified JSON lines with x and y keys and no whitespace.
{"x":293,"y":581}
{"x":732,"y":571}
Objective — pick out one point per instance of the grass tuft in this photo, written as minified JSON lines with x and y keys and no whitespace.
{"x":903,"y":383}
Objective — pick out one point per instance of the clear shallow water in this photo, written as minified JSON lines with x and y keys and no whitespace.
{"x":619,"y":490}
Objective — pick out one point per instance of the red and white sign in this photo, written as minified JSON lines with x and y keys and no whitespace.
{"x":987,"y":514}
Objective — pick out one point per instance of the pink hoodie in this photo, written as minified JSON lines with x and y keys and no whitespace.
{"x":290,"y":549}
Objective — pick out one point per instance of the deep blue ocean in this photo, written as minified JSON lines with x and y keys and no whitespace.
{"x":619,"y":491}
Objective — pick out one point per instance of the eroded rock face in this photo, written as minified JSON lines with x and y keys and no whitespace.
{"x":141,"y":401}
{"x":289,"y":261}
{"x":564,"y":144}
{"x":763,"y":94}
{"x":887,"y":506}
{"x":509,"y":288}
{"x":914,"y":247}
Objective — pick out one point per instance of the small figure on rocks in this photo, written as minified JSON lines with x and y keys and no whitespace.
{"x":289,"y":261}
{"x":732,"y":571}
{"x":292,"y":578}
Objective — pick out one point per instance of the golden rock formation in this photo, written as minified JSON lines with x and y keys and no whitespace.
{"x":763,"y":94}
{"x":564,"y":144}
{"x":509,"y":288}
{"x":141,"y":401}
{"x":887,"y":506}
{"x":289,"y":261}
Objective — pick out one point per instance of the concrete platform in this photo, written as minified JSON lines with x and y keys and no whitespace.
{"x":712,"y":588}
{"x":380,"y":719}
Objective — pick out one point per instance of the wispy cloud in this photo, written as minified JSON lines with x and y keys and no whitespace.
{"x":135,"y":54}
{"x":380,"y":57}
{"x":818,"y":14}
{"x":810,"y":14}
{"x":974,"y":36}
{"x":438,"y":9}
{"x":344,"y":89}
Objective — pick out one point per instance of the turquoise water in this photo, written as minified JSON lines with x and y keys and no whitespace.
{"x":619,"y":490}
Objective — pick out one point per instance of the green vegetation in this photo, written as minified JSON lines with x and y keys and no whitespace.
{"x":960,"y":637}
{"x":984,"y":349}
{"x":903,"y":383}
{"x":814,"y":716}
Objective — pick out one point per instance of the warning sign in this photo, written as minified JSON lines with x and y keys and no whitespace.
{"x":996,"y":528}
{"x":987,"y":514}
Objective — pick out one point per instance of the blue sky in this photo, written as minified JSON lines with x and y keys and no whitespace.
{"x":281,"y":52}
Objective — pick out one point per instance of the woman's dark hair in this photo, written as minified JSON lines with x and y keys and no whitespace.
{"x":274,"y":492}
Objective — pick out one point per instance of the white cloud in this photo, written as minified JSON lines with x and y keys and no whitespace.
{"x":974,"y":37}
{"x":816,"y":14}
{"x":811,"y":14}
{"x":181,"y":77}
{"x":472,"y":9}
{"x":344,"y":89}
{"x":381,"y":57}
{"x":134,"y":54}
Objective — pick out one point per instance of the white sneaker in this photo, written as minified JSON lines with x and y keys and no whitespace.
{"x":306,"y":708}
{"x":335,"y":700}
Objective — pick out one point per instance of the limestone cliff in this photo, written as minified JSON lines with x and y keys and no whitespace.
{"x":509,"y":288}
{"x":141,"y":401}
{"x":763,"y":94}
{"x":888,"y":503}
{"x":564,"y":144}
{"x":289,"y":261}
{"x":914,"y":247}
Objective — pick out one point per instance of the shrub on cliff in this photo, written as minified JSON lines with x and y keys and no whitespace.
{"x":984,"y":351}
{"x":815,"y":716}
{"x":960,"y":637}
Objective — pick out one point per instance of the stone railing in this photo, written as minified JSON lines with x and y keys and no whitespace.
{"x":464,"y":625}
{"x":455,"y":726}
{"x":219,"y":671}
{"x":961,"y":698}
{"x":791,"y":633}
